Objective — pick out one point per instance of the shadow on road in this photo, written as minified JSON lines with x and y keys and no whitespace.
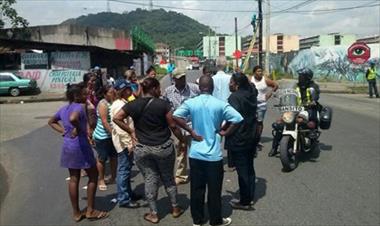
{"x":165,"y":208}
{"x":325,"y":147}
{"x":4,"y":186}
{"x":266,"y":139}
{"x":260,"y":190}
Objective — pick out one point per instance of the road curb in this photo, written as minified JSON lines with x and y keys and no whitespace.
{"x":32,"y":100}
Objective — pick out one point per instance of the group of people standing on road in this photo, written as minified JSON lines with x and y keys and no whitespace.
{"x":129,"y":122}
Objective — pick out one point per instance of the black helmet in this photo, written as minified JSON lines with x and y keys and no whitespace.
{"x":306,"y":73}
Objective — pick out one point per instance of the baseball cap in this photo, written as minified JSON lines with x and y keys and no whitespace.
{"x":178,"y":73}
{"x":122,"y":84}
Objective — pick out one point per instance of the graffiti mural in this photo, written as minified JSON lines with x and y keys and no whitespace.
{"x":332,"y":63}
{"x":52,"y":80}
{"x":329,"y":63}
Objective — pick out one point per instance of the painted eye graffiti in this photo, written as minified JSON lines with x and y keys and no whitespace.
{"x":358,"y":53}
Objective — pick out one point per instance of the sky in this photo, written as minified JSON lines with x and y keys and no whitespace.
{"x":291,"y":17}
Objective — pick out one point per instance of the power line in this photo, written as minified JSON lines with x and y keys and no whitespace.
{"x":288,"y":10}
{"x":297,"y":6}
{"x":192,"y":0}
{"x":331,"y":10}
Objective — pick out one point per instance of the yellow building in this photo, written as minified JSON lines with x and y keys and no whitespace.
{"x":279,"y":43}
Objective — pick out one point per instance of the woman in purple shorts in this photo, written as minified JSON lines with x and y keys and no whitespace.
{"x":76,"y":152}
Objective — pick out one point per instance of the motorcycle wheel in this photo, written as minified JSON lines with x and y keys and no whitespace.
{"x":287,"y":157}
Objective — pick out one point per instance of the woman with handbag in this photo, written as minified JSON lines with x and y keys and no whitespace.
{"x":154,"y":152}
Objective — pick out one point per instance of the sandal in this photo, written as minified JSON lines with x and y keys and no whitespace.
{"x":81,"y":216}
{"x":102,"y":187}
{"x":97,"y":215}
{"x":152,"y":218}
{"x":177,"y":212}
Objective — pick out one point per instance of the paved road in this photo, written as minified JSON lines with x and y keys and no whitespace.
{"x":340,"y":187}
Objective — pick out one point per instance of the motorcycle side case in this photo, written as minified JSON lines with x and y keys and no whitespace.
{"x":325,"y":118}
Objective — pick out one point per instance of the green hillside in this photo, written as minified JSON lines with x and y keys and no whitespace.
{"x":169,"y":27}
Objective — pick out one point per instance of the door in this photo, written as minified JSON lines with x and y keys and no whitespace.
{"x":6,"y":81}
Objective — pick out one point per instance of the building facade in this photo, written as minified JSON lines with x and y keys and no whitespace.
{"x":214,"y":46}
{"x":370,"y":40}
{"x":333,"y":39}
{"x":278,"y":43}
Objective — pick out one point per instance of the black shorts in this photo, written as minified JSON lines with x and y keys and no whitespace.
{"x":105,"y":149}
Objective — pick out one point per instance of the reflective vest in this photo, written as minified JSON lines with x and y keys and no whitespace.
{"x":371,"y":74}
{"x":299,"y":97}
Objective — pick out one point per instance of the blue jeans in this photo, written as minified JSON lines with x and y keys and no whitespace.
{"x":124,"y":166}
{"x":243,"y":160}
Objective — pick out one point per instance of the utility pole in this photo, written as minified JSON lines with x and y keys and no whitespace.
{"x":150,"y":5}
{"x":108,"y":6}
{"x":267,"y":32}
{"x":215,"y":40}
{"x":260,"y":33}
{"x":209,"y":43}
{"x":236,"y":42}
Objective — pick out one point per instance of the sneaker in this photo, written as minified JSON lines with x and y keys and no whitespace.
{"x":130,"y":205}
{"x":226,"y":221}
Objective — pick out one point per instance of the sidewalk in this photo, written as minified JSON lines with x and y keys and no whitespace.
{"x":343,"y":87}
{"x":42,"y":97}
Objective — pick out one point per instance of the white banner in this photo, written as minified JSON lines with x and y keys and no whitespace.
{"x":70,"y":60}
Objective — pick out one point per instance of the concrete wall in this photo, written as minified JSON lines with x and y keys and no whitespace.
{"x":53,"y":80}
{"x":80,"y":35}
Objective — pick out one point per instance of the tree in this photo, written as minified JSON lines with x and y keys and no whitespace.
{"x":10,"y":13}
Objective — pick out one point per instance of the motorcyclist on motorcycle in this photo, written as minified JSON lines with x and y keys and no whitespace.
{"x":308,"y":96}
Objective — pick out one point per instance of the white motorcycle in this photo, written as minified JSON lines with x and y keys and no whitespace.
{"x":293,"y":134}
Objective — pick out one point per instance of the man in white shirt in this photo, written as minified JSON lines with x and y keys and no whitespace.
{"x":222,"y":92}
{"x":221,"y":80}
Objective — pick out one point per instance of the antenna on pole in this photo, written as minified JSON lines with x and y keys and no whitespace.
{"x":108,"y":6}
{"x":150,"y":5}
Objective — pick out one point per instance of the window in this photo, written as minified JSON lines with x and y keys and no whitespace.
{"x":6,"y":78}
{"x":337,"y":39}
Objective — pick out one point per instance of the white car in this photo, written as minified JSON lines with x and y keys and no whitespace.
{"x":189,"y":67}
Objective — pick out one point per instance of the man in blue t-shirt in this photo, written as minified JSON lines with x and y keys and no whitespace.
{"x":206,"y":159}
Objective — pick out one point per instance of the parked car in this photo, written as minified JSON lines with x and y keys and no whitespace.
{"x":189,"y":67}
{"x":13,"y":84}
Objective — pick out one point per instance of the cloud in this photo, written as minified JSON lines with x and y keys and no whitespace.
{"x":359,"y":21}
